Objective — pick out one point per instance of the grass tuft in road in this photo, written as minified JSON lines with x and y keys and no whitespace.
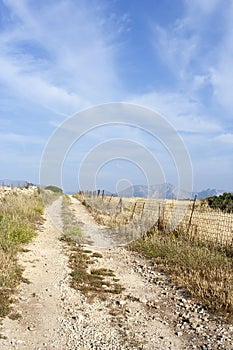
{"x":71,"y":228}
{"x":93,"y":283}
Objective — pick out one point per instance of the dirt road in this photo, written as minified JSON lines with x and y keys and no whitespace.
{"x":148,"y":314}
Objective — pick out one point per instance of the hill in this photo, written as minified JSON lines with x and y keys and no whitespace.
{"x":166,"y":191}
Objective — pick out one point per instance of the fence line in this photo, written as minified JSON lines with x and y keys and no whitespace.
{"x":195,"y":219}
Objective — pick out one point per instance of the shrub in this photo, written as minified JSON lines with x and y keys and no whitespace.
{"x":54,"y":189}
{"x":223,"y":202}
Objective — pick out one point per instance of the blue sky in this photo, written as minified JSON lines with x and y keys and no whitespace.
{"x":173,"y":56}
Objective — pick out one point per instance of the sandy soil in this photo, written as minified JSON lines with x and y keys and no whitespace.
{"x":55,"y":316}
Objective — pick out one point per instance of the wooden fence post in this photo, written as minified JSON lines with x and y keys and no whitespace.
{"x":119,"y":205}
{"x":191,"y":216}
{"x":109,"y":201}
{"x":134,"y":208}
{"x":143,"y":209}
{"x":159,"y":218}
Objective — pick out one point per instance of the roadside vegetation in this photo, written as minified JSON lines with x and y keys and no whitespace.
{"x":223,"y":202}
{"x":204,"y":268}
{"x":54,"y":189}
{"x":20,"y":213}
{"x":49,"y":194}
{"x":205,"y":272}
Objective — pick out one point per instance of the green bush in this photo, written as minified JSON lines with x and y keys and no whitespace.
{"x":21,"y":234}
{"x":223,"y":202}
{"x":54,"y":189}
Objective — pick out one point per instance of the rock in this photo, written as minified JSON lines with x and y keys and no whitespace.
{"x":81,"y":318}
{"x":179,"y":334}
{"x":122,"y":302}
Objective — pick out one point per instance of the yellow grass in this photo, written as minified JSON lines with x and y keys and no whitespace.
{"x":20,"y":212}
{"x":197,"y":253}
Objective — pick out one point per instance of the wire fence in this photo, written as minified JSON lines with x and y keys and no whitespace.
{"x":137,"y":217}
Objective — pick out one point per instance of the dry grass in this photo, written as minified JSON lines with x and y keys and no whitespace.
{"x":196,"y":219}
{"x":202,"y":265}
{"x":204,"y":272}
{"x":107,"y":212}
{"x":20,"y":213}
{"x":93,"y":283}
{"x":48,"y":196}
{"x":71,"y":228}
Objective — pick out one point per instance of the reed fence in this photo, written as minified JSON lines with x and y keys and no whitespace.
{"x":138,"y":216}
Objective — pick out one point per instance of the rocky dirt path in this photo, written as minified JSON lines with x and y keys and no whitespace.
{"x":39,"y":302}
{"x":149,"y":313}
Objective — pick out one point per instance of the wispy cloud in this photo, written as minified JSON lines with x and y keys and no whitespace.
{"x":12,"y":138}
{"x":58,"y":57}
{"x":175,"y":47}
{"x":71,"y":61}
{"x":201,"y":7}
{"x":197,"y":49}
{"x":225,"y":138}
{"x":222,"y":73}
{"x":185,"y":113}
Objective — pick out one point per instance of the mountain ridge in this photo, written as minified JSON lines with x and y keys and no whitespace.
{"x":166,"y":191}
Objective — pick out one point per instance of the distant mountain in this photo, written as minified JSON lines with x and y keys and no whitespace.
{"x":166,"y":191}
{"x":208,"y":193}
{"x":13,"y":183}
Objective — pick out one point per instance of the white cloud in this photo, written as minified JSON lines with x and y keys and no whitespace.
{"x":63,"y":55}
{"x":225,"y":138}
{"x":205,"y":7}
{"x":222,"y":73}
{"x":60,"y":54}
{"x":175,"y":47}
{"x":183,"y":112}
{"x":198,"y":49}
{"x":35,"y":89}
{"x":18,"y":138}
